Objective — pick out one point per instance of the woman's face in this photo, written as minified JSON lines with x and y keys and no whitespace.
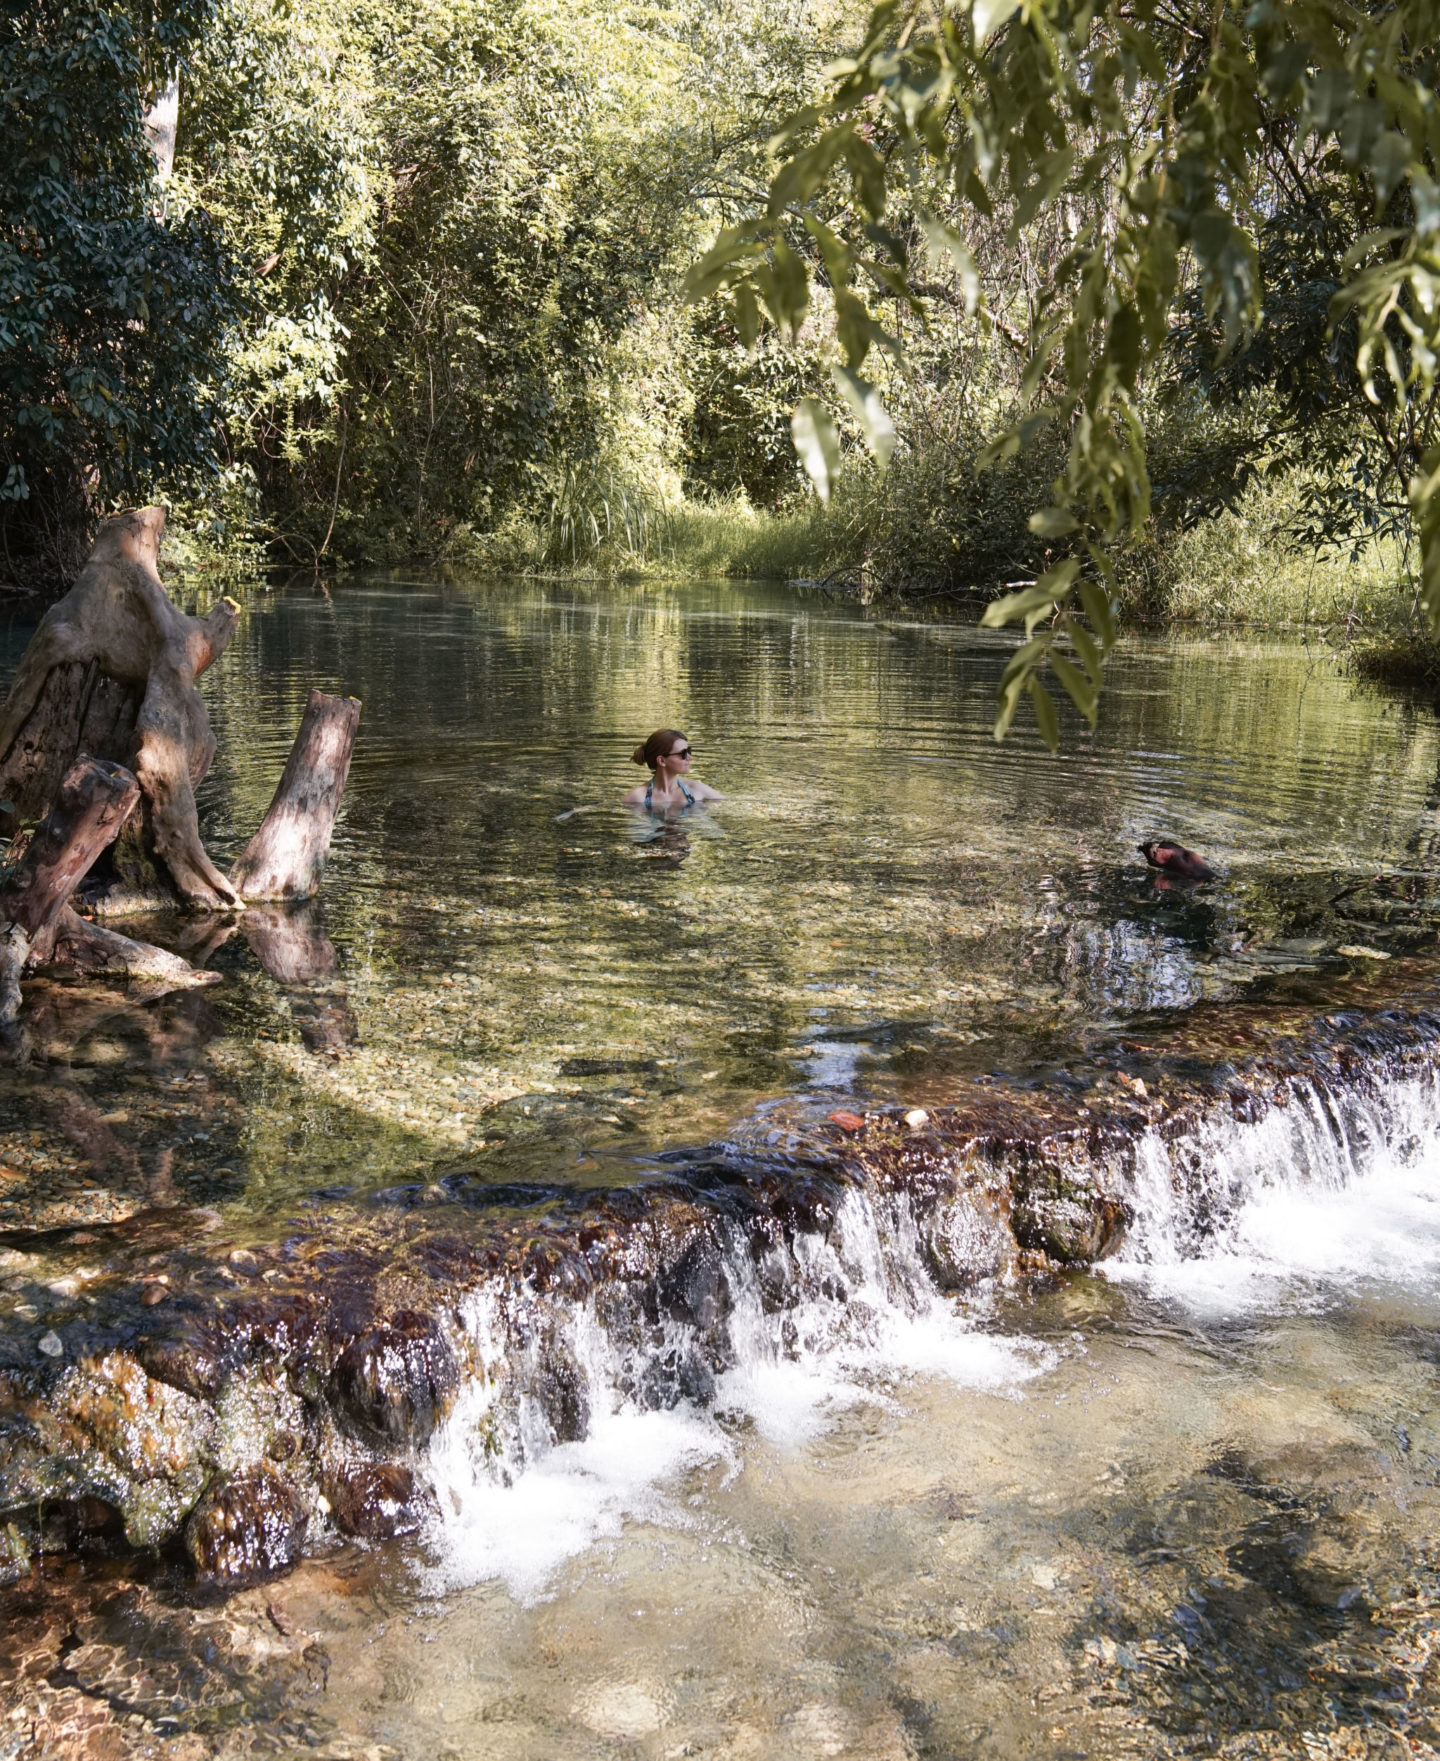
{"x":677,"y":759}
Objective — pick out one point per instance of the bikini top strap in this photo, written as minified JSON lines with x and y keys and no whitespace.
{"x":689,"y":798}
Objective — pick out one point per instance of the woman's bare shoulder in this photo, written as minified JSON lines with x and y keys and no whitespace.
{"x":636,"y":797}
{"x":703,"y":792}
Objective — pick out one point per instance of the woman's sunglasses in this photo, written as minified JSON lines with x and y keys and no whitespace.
{"x":681,"y":752}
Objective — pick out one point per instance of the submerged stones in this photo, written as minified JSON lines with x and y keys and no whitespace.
{"x":288,"y":1390}
{"x":247,"y":1526}
{"x":374,"y":1500}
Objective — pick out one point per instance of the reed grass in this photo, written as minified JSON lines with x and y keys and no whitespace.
{"x":923,"y":533}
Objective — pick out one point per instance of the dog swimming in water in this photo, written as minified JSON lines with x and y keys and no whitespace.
{"x":1174,"y":859}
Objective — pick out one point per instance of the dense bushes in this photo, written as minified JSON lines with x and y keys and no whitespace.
{"x":117,"y":310}
{"x":414,"y":285}
{"x":415,"y":288}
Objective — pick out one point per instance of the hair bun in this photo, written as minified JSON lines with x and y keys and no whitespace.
{"x":638,"y":755}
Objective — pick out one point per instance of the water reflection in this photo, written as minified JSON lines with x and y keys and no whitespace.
{"x":493,"y":917}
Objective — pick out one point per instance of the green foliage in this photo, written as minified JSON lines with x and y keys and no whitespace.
{"x":278,"y":143}
{"x":466,"y":223}
{"x":414,"y":281}
{"x":1133,"y":153}
{"x":737,"y":435}
{"x":115,"y":305}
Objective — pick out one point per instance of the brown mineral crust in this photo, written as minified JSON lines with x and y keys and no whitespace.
{"x":346,"y":1334}
{"x":396,"y":1381}
{"x":247,"y":1526}
{"x":374,"y":1500}
{"x":103,"y":1429}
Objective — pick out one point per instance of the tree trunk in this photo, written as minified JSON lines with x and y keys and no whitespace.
{"x":93,"y":803}
{"x":111,"y":672}
{"x":285,"y":858}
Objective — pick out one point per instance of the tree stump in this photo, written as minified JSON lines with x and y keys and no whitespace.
{"x":93,"y":802}
{"x":37,"y":925}
{"x":285,"y":858}
{"x":111,"y":672}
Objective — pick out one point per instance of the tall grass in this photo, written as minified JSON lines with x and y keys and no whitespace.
{"x":805,"y":541}
{"x":934,"y":528}
{"x":594,"y":511}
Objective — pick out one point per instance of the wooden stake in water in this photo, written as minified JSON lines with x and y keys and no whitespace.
{"x":286,"y":857}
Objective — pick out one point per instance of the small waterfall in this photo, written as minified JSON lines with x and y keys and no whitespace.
{"x":579,"y":1412}
{"x":583,"y":1410}
{"x":1328,"y":1188}
{"x":519,"y":1368}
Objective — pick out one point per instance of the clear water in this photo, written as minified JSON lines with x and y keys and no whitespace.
{"x":1181,"y":1505}
{"x":886,"y":896}
{"x":1176,"y":1541}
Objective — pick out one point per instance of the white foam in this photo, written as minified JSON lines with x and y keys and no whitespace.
{"x":515,"y":1505}
{"x":521,"y":1527}
{"x":1313,"y":1201}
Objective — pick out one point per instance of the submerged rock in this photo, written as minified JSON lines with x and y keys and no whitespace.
{"x":374,"y":1500}
{"x":395,"y":1381}
{"x":247,"y":1527}
{"x":278,"y":1373}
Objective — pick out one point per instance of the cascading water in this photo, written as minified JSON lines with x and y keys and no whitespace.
{"x":581,"y":1411}
{"x":1336,"y":1186}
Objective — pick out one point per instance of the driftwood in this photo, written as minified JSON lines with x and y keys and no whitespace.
{"x":93,"y":802}
{"x":103,"y":737}
{"x":38,"y":927}
{"x":90,"y":947}
{"x":285,"y":858}
{"x":111,"y":673}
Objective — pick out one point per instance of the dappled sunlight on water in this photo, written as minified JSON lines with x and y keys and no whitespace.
{"x":885,"y":892}
{"x":1183,"y":1503}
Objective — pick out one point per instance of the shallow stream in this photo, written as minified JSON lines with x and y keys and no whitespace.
{"x":1182,"y":1503}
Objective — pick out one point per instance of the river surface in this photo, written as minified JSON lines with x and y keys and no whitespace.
{"x":1182,"y":1504}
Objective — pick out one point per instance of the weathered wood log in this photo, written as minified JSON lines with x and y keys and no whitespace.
{"x":90,"y":947}
{"x":93,"y":802}
{"x":111,"y":672}
{"x":285,"y":858}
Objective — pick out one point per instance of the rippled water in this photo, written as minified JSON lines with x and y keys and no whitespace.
{"x":884,"y":896}
{"x":1181,"y":1505}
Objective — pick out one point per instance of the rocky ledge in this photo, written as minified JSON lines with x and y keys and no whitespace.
{"x":164,"y":1383}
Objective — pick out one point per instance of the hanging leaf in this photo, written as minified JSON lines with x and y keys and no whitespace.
{"x":869,"y":412}
{"x":1046,"y":719}
{"x":945,"y":241}
{"x":818,"y":444}
{"x":988,"y":15}
{"x":1030,"y":603}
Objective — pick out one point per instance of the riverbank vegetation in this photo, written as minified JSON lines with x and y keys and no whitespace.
{"x":351,"y":284}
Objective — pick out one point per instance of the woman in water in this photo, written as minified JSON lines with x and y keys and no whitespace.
{"x":668,"y":755}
